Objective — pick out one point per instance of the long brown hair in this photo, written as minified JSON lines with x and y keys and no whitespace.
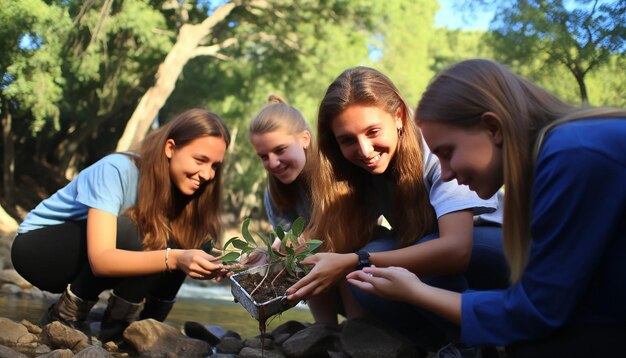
{"x":278,"y":115}
{"x":340,"y":215}
{"x":162,"y":213}
{"x":461,"y":94}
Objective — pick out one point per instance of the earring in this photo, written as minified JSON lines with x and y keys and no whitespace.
{"x":400,"y":131}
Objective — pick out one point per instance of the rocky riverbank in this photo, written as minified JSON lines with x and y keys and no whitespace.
{"x":149,"y":338}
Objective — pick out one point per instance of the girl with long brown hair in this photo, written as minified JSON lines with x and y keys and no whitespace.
{"x":564,"y":170}
{"x":378,"y":199}
{"x":136,"y":222}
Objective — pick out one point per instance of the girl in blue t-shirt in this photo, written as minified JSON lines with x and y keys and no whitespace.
{"x":377,"y":198}
{"x":564,"y":171}
{"x":137,"y":223}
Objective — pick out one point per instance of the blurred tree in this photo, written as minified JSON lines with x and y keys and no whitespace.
{"x":30,"y":70}
{"x":405,"y":31}
{"x":580,"y":35}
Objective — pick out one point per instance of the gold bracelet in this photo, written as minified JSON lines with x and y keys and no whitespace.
{"x":167,"y":260}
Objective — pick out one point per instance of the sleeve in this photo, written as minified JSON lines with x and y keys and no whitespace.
{"x":102,"y":186}
{"x":570,"y":236}
{"x":447,"y":197}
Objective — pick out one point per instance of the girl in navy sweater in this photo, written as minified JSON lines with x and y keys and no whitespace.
{"x":564,"y":170}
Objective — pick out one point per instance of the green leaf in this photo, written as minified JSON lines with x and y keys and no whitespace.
{"x":280,"y":232}
{"x":246,"y":232}
{"x":229,"y":242}
{"x":313,"y":245}
{"x":297,"y":227}
{"x":240,"y":244}
{"x":230,"y":257}
{"x":266,"y":242}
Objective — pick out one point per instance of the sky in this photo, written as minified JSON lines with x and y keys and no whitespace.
{"x":452,"y":18}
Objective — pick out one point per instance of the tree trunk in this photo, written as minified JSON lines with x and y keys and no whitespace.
{"x":186,"y":47}
{"x":580,"y":78}
{"x":7,"y":223}
{"x":8,"y":158}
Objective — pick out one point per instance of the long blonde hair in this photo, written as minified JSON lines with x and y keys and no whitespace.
{"x":162,"y":213}
{"x":278,"y":115}
{"x":340,"y":215}
{"x":461,"y":94}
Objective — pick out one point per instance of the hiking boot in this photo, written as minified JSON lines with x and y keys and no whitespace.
{"x":116,"y":318}
{"x":71,"y":311}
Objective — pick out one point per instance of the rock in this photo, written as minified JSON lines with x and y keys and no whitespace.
{"x":361,"y":338}
{"x":313,"y":341}
{"x":11,"y":276}
{"x":93,"y":352}
{"x":13,"y":334}
{"x":58,"y":335}
{"x":281,"y":338}
{"x":152,"y":338}
{"x":266,"y":343}
{"x":59,"y":353}
{"x":6,"y":352}
{"x":10,"y":289}
{"x":249,"y":352}
{"x":209,"y":334}
{"x":32,"y":328}
{"x":290,"y":327}
{"x":230,"y":345}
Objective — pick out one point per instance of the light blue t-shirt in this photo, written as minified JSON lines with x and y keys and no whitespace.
{"x":109,"y":184}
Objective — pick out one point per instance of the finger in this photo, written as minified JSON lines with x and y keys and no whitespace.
{"x":301,"y":283}
{"x":311,"y":260}
{"x":365,"y":286}
{"x":359,"y":275}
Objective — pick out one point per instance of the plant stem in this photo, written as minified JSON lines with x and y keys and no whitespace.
{"x":278,"y":274}
{"x":262,"y":280}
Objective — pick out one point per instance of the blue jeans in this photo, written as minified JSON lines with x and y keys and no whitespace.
{"x":488,"y":269}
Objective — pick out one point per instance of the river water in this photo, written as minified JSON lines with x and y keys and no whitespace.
{"x":212,"y":305}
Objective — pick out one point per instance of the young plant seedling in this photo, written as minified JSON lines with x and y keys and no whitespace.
{"x":292,"y":250}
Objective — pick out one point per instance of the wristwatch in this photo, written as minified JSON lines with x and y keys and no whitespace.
{"x":364,"y":260}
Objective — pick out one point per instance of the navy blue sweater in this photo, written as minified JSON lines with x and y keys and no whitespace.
{"x":576,"y":272}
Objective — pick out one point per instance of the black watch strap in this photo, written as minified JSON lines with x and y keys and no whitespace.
{"x":364,"y":260}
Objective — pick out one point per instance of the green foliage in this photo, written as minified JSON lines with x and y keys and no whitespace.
{"x":291,"y":252}
{"x":32,"y":35}
{"x":581,"y":37}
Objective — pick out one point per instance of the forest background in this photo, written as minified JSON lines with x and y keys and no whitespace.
{"x":83,"y":78}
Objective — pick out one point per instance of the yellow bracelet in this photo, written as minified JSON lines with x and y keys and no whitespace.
{"x":167,"y":260}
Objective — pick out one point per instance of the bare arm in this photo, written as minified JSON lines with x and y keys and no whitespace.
{"x":447,"y":254}
{"x":106,"y":260}
{"x":399,"y":284}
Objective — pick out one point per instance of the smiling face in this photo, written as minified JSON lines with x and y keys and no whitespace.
{"x":367,"y":136}
{"x":282,"y":154}
{"x":472,"y":156}
{"x":194,"y":164}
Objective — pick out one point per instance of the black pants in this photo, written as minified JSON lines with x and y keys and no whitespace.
{"x":588,"y":340}
{"x":53,"y":257}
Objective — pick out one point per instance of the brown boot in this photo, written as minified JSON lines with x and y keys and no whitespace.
{"x":70,"y":310}
{"x":117,"y":316}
